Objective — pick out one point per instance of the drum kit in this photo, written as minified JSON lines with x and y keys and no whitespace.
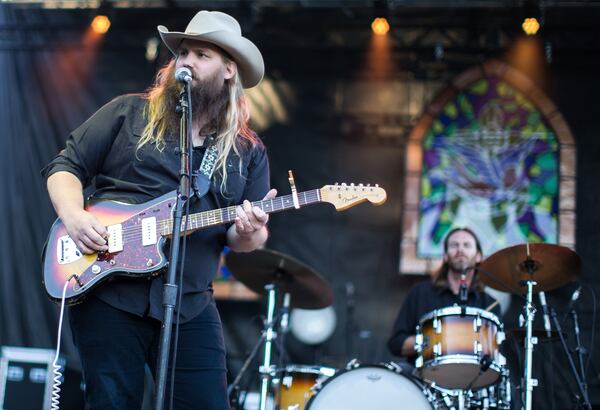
{"x":459,"y":364}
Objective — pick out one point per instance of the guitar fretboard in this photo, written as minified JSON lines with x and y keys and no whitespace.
{"x":226,"y":215}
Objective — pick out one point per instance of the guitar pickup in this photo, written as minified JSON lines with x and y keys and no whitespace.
{"x":115,"y":238}
{"x":66,"y":251}
{"x":149,"y":236}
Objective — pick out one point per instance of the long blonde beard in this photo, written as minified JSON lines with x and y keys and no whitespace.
{"x":230,"y":123}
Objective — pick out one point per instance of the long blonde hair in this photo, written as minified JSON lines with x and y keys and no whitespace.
{"x":232,"y":129}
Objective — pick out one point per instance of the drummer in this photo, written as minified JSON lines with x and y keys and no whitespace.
{"x":462,"y":252}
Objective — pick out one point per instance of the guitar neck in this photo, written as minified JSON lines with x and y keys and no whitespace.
{"x":225,"y":215}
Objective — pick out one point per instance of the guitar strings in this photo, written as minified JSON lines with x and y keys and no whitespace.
{"x":215,"y":217}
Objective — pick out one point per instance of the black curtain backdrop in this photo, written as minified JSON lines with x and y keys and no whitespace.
{"x":51,"y":83}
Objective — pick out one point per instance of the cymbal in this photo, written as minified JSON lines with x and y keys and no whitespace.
{"x":307,"y":289}
{"x":507,"y":270}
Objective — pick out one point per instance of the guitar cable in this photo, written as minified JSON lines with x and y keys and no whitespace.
{"x":57,"y":379}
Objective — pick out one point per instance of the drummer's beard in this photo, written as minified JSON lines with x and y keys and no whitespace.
{"x":460,"y":265}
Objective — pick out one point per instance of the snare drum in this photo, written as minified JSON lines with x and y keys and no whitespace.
{"x":458,"y":347}
{"x":293,"y":384}
{"x":381,"y":387}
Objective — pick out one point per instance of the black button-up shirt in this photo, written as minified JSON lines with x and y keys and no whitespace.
{"x":104,"y":150}
{"x":423,"y":298}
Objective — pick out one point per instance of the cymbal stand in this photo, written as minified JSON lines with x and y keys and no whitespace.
{"x":580,"y":381}
{"x":284,"y":322}
{"x":234,"y":386}
{"x":529,"y":311}
{"x":269,"y":335}
{"x":529,"y":342}
{"x":581,"y":351}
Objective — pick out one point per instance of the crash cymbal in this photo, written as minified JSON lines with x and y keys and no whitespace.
{"x":552,"y":265}
{"x":308,"y":289}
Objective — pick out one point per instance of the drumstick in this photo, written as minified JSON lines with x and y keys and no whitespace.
{"x":493,"y":305}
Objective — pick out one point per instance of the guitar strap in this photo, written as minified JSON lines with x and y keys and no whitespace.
{"x":201,"y":177}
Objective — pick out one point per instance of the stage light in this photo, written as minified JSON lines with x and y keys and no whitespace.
{"x":100,"y":24}
{"x":530,"y":26}
{"x":380,"y":26}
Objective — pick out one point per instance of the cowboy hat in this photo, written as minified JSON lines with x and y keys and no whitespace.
{"x":223,"y":31}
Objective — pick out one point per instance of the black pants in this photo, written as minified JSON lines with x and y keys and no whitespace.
{"x":114,"y":347}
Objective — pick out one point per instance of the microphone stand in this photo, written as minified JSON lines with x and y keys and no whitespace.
{"x":581,"y":351}
{"x":580,"y":382}
{"x":463,"y":292}
{"x":170,"y":287}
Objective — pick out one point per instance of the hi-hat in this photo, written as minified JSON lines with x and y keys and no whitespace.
{"x":551,"y":266}
{"x":308,"y":289}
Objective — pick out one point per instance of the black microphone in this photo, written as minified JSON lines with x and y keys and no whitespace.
{"x":547,"y":327}
{"x":485,"y":362}
{"x":462,"y":291}
{"x":183,"y":75}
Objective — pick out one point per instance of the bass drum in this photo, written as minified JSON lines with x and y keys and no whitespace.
{"x":373,"y":387}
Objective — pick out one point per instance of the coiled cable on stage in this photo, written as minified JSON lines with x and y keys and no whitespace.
{"x":57,"y":379}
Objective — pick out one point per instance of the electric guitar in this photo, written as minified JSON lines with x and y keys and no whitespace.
{"x":137,"y":234}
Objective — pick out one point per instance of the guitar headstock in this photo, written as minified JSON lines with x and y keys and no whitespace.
{"x":344,"y":196}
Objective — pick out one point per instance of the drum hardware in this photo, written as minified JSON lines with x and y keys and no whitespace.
{"x":267,"y":336}
{"x":477,"y":324}
{"x":579,"y":378}
{"x":486,"y":362}
{"x":272,"y":273}
{"x":455,"y":357}
{"x":496,"y":396}
{"x":421,"y":341}
{"x":295,"y":384}
{"x":270,"y":334}
{"x":511,"y":269}
{"x":395,"y":367}
{"x":352,"y":364}
{"x":437,"y":325}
